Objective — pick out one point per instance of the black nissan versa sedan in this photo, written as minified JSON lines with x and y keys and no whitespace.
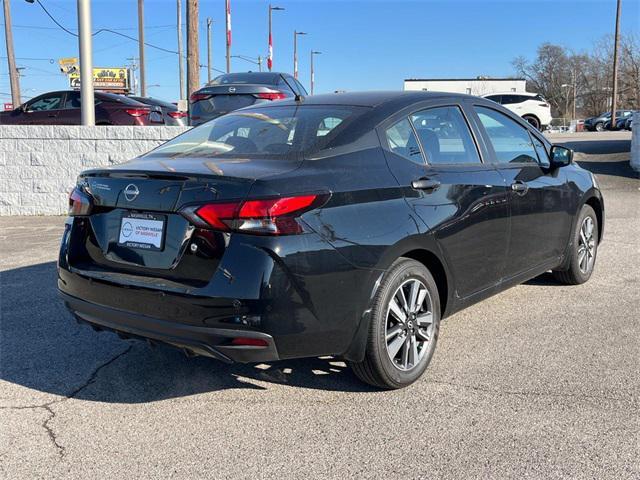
{"x":346,"y":224}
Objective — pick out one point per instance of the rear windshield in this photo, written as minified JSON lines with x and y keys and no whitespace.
{"x":113,"y":97}
{"x":261,"y":78}
{"x":271,"y":132}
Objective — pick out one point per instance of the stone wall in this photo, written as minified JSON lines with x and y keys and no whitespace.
{"x":39,"y":164}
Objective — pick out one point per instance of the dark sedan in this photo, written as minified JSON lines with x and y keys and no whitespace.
{"x":232,"y":91}
{"x":63,"y":108}
{"x":345,"y":225}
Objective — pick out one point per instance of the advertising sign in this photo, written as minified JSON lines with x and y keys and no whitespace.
{"x":104,"y":79}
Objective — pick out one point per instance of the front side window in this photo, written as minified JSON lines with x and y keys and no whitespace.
{"x":511,"y":141}
{"x":402,"y":141}
{"x":50,"y":102}
{"x":270,"y":132}
{"x":445,"y":136}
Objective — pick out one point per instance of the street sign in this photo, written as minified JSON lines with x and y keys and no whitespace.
{"x":104,"y":79}
{"x":69,"y":65}
{"x":8,"y":107}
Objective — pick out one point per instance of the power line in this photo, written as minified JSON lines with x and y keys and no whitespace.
{"x":102,"y":30}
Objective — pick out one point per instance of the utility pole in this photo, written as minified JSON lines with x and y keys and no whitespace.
{"x":87,"y":106}
{"x":180,"y":53}
{"x":143,"y":81}
{"x":193,"y":53}
{"x":209,"y":65}
{"x":11,"y":59}
{"x":228,"y":24}
{"x":614,"y":92}
{"x":313,"y":79}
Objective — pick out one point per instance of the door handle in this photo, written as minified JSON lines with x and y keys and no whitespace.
{"x":519,"y":187}
{"x":425,"y":184}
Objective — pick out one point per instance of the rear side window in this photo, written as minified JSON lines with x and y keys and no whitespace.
{"x":402,"y":141}
{"x":247,"y":78}
{"x":270,"y":132}
{"x":445,"y":136}
{"x":511,"y":141}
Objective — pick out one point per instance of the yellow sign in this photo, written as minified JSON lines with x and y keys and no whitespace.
{"x":68,"y":65}
{"x":104,"y":79}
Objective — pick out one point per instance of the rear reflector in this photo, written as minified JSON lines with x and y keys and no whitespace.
{"x":272,"y":216}
{"x":271,"y":95}
{"x":249,"y":342}
{"x":137,"y":112}
{"x":178,"y":114}
{"x":196,"y":97}
{"x":79,"y":203}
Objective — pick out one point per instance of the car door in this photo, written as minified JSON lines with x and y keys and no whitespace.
{"x":540,"y":223}
{"x":44,"y":109}
{"x":461,"y":199}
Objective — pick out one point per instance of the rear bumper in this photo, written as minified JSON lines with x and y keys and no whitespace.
{"x":195,"y":340}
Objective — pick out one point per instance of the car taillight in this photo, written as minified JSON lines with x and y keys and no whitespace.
{"x":271,"y":95}
{"x":79,"y":203}
{"x":196,"y":97}
{"x":178,"y":114}
{"x":272,"y":216}
{"x":137,"y":112}
{"x":249,"y":342}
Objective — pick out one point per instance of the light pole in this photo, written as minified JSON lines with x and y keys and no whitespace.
{"x":209,"y":64}
{"x":313,"y":52}
{"x":614,"y":93}
{"x":87,"y":106}
{"x":295,"y":52}
{"x":180,"y":55}
{"x":270,"y":57}
{"x":143,"y":80}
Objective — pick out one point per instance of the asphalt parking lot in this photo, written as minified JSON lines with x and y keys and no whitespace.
{"x":540,"y":381}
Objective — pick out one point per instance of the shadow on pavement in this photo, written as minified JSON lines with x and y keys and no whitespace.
{"x":597,"y":147}
{"x":43,"y":348}
{"x":615,"y":168}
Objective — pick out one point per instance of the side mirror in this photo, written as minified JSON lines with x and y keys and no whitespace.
{"x":561,"y":156}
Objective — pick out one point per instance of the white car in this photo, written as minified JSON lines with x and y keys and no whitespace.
{"x":530,"y":106}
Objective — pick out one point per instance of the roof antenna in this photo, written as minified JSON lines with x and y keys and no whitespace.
{"x":298,"y":97}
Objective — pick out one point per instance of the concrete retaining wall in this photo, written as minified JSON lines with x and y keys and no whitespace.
{"x":635,"y":142}
{"x":39,"y":164}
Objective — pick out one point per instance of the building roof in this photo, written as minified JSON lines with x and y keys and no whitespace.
{"x":477,"y":79}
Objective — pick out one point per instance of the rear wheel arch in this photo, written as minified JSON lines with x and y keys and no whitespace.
{"x":437,"y":269}
{"x":528,"y":116}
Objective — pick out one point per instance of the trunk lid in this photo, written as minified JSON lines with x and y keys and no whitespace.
{"x":136,"y":230}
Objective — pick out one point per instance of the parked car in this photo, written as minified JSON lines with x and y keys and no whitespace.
{"x":63,"y":108}
{"x":599,"y":123}
{"x":232,"y":91}
{"x":170,"y":114}
{"x":530,"y":106}
{"x":344,"y":224}
{"x":621,"y":121}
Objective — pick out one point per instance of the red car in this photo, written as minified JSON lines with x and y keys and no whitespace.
{"x":63,"y":108}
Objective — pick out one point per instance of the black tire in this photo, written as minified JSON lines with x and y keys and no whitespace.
{"x":378,"y":368}
{"x":575,"y":274}
{"x":535,"y":123}
{"x":599,"y":127}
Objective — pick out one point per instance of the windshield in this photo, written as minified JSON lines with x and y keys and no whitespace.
{"x":270,"y":132}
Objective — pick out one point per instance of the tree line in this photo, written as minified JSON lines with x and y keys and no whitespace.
{"x":556,"y":71}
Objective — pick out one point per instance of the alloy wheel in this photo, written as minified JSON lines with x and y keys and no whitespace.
{"x":586,"y":246}
{"x":409,"y":324}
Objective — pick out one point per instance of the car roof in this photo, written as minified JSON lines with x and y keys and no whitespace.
{"x":526,"y":94}
{"x":368,"y":98}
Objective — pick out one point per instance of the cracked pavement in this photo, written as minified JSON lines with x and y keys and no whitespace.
{"x":540,"y":381}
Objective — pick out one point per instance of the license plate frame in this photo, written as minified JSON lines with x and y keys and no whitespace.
{"x":141,"y":226}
